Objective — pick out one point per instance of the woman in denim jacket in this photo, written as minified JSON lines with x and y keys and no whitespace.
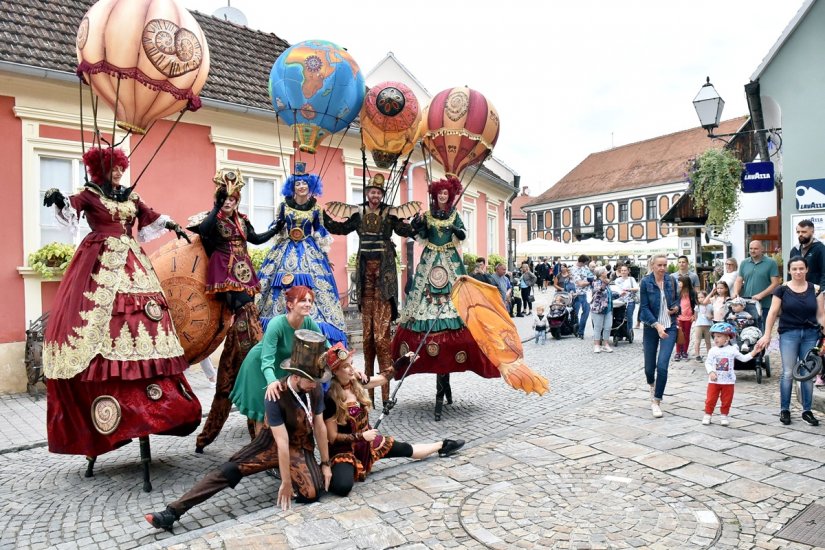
{"x":660,"y":327}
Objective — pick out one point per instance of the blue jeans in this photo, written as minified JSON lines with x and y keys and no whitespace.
{"x":602,"y":325}
{"x":582,"y":309}
{"x":656,"y":367}
{"x":631,"y":308}
{"x":793,"y":345}
{"x":541,"y":337}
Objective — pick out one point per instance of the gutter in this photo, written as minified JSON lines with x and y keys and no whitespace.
{"x":511,"y":252}
{"x":757,"y":118}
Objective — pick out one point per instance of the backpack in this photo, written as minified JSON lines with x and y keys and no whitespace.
{"x":599,"y":302}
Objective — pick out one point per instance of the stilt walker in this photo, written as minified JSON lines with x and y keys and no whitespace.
{"x":231,"y":277}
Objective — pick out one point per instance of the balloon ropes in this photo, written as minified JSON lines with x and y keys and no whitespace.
{"x":459,"y":129}
{"x":317,"y":89}
{"x":390,"y":121}
{"x":146,"y":59}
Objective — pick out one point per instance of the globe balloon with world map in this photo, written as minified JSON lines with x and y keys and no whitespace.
{"x":317,"y":88}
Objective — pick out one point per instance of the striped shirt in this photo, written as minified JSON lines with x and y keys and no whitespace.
{"x":664,"y":314}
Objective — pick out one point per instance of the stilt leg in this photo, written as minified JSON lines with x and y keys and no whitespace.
{"x":90,"y":466}
{"x":448,"y":390}
{"x":145,"y":460}
{"x":439,"y":396}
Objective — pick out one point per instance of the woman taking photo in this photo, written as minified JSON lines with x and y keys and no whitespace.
{"x":354,"y":445}
{"x":261,"y":369}
{"x":657,"y":311}
{"x":798,"y":307}
{"x":687,"y":303}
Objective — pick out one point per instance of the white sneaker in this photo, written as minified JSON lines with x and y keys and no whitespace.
{"x":607,"y":349}
{"x":597,"y":349}
{"x":656,"y":410}
{"x":706,"y":419}
{"x":725,"y":421}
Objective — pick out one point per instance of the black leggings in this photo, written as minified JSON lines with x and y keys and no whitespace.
{"x":343,"y":473}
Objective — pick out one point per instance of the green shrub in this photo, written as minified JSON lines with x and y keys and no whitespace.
{"x":257,"y":255}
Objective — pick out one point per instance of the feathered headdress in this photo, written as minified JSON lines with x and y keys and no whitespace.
{"x":451,"y":184}
{"x":99,"y":163}
{"x":316,"y":186}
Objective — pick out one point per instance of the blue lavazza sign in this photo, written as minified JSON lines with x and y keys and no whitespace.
{"x":757,"y":177}
{"x":810,"y":194}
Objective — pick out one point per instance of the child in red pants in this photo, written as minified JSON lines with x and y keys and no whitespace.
{"x":719,"y":364}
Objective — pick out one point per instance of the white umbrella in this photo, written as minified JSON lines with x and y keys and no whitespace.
{"x":543,"y":247}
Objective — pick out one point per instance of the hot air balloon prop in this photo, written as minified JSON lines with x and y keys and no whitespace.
{"x":317,"y":89}
{"x":480,"y":307}
{"x":459,"y":129}
{"x":146,"y":59}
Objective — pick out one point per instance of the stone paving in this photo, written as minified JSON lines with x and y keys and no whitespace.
{"x":585,"y":466}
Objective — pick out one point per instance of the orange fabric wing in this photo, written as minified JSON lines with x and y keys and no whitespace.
{"x":482,"y":310}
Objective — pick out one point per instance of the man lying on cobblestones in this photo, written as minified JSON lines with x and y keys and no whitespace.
{"x":288,"y":444}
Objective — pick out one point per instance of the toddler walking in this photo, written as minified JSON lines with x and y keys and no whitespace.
{"x":540,"y":325}
{"x":703,"y":324}
{"x":719,"y":365}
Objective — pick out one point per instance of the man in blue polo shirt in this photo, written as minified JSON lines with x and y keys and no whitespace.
{"x":758,"y":276}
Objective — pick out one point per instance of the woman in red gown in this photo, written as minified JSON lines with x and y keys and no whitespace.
{"x":112,"y":359}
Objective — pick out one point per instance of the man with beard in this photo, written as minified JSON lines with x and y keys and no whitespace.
{"x":376,"y":281}
{"x":812,"y":250}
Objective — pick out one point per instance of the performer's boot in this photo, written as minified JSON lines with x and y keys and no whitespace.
{"x":448,"y":390}
{"x":439,"y":396}
{"x":385,"y":393}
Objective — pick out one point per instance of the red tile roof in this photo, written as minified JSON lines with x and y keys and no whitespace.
{"x":518,"y":202}
{"x":646,"y":163}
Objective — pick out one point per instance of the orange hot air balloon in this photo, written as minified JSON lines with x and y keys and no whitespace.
{"x":390,"y":121}
{"x":480,"y":307}
{"x":146,"y":59}
{"x":459,"y":128}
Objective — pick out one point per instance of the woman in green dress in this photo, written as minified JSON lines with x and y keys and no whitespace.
{"x":450,"y":347}
{"x":261,"y":369}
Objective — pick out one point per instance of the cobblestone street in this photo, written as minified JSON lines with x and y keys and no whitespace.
{"x":585,"y":466}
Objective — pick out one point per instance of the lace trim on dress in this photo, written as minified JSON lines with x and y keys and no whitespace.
{"x":67,"y":217}
{"x":154,"y":230}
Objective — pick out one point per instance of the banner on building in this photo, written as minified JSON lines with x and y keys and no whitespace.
{"x":757,"y":177}
{"x":810,"y":194}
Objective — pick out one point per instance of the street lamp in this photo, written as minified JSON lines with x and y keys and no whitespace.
{"x":709,"y":107}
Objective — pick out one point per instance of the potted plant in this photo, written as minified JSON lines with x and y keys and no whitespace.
{"x":51,"y":260}
{"x":715,"y":186}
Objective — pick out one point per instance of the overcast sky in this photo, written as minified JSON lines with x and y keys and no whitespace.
{"x":568,"y":78}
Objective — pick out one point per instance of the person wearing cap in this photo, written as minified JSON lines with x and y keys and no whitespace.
{"x":295,"y":428}
{"x":230,"y":277}
{"x":376,"y":277}
{"x":299,"y":257}
{"x":354,"y":445}
{"x":721,"y":376}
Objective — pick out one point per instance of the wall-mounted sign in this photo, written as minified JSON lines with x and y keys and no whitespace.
{"x":810,"y":194}
{"x":757,"y":177}
{"x":817,"y":219}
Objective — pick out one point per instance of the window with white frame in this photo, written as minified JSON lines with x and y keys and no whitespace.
{"x":492,"y":232}
{"x":468,"y":216}
{"x":65,"y":174}
{"x":356,"y":197}
{"x":259,"y":201}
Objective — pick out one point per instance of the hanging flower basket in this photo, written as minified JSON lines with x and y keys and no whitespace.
{"x":715,"y":183}
{"x":51,"y":260}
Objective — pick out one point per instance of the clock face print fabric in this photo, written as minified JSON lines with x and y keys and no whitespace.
{"x":111,"y":354}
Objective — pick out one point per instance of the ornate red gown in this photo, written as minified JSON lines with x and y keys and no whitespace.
{"x":113,"y":362}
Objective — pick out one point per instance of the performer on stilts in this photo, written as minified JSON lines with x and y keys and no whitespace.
{"x":299,"y":257}
{"x":231,"y":278}
{"x":449,"y":347}
{"x":376,"y":278}
{"x":113,"y":362}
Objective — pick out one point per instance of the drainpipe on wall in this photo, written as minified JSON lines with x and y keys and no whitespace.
{"x":511,"y":248}
{"x":410,"y":240}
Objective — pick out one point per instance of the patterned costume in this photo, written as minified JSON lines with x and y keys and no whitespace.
{"x":296,"y":416}
{"x":231,"y":276}
{"x":376,"y":282}
{"x":450,"y":347}
{"x":111,"y":356}
{"x":299,"y":257}
{"x":359,"y":453}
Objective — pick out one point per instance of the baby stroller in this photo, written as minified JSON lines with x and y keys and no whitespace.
{"x":747,"y":334}
{"x":622,"y":328}
{"x":561,"y":319}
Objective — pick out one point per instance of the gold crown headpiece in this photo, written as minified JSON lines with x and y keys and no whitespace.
{"x":232,"y":179}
